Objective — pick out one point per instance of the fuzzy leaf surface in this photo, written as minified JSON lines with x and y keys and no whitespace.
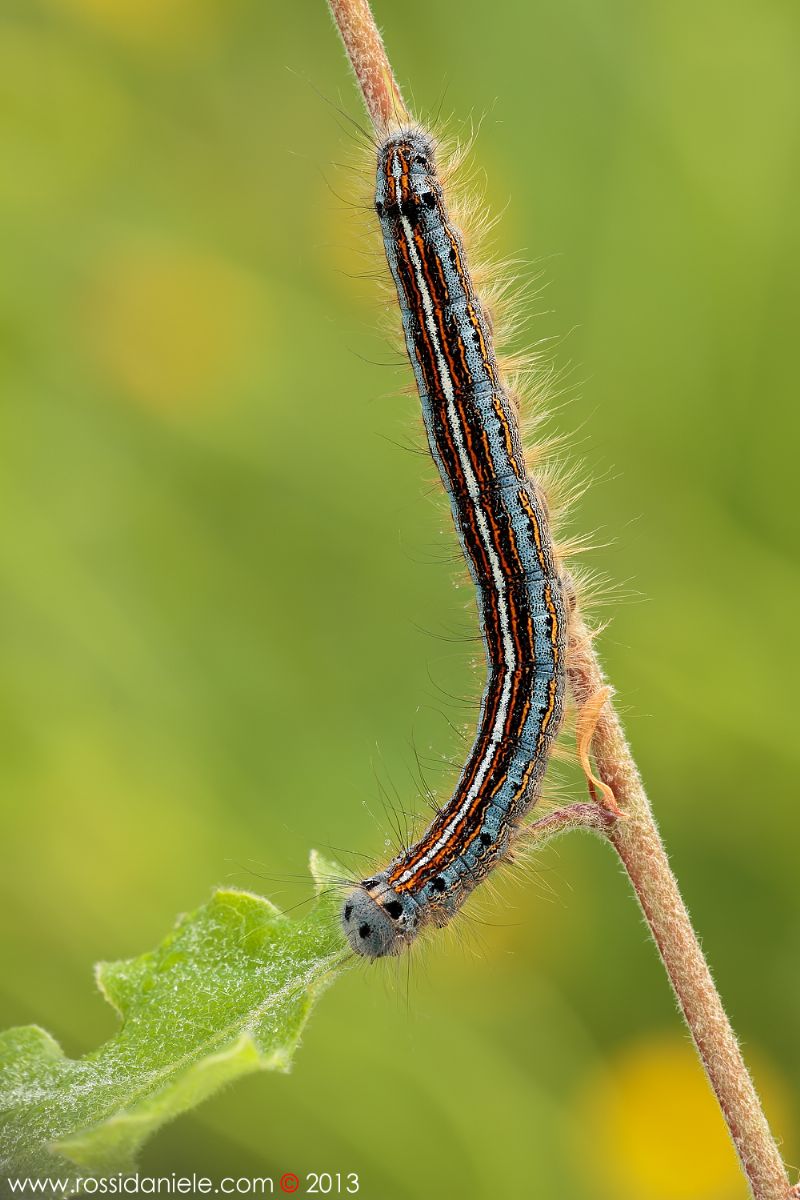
{"x":226,"y":993}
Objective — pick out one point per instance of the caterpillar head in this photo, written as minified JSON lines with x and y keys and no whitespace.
{"x":377,"y":922}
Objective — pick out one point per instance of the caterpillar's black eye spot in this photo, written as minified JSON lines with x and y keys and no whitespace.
{"x":368,"y":883}
{"x":420,"y":160}
{"x":439,"y":884}
{"x":348,"y":911}
{"x":429,"y":199}
{"x":394,"y":908}
{"x":364,"y":931}
{"x":486,"y":839}
{"x":379,"y":207}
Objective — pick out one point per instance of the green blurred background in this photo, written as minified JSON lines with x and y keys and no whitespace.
{"x":227,"y":590}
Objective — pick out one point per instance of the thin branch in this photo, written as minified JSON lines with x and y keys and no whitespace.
{"x":564,"y":820}
{"x":638,"y":844}
{"x":634,"y":836}
{"x":374,"y":75}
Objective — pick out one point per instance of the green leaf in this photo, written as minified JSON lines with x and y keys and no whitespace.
{"x":226,"y":993}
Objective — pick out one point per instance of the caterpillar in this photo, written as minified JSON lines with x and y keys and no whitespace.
{"x":501,"y":519}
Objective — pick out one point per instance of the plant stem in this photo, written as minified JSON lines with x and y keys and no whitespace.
{"x":563,"y":820}
{"x":364,"y":46}
{"x":638,"y":843}
{"x":634,"y":836}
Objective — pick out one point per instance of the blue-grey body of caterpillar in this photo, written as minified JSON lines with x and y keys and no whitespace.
{"x":501,"y":520}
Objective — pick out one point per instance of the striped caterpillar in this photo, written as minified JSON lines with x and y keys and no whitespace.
{"x":502,"y":524}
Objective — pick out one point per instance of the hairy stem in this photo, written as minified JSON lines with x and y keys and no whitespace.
{"x":636,"y":839}
{"x":364,"y":46}
{"x":562,"y":820}
{"x":634,"y":835}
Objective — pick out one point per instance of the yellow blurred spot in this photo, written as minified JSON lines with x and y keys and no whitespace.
{"x":153,"y":21}
{"x":173,"y":328}
{"x":649,"y":1128}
